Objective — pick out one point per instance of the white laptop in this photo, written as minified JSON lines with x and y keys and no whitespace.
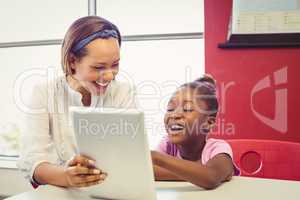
{"x":117,"y":140}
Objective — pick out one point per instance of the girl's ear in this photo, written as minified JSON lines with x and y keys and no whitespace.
{"x":211,"y":122}
{"x":207,"y":125}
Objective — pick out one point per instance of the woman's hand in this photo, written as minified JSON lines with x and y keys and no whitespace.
{"x":81,"y":172}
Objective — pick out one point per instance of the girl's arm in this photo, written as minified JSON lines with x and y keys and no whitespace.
{"x":209,"y":176}
{"x":162,"y":174}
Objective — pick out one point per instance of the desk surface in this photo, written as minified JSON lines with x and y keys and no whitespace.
{"x":238,"y":188}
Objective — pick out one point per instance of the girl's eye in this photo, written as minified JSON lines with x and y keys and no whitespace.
{"x":187,"y":108}
{"x":170,"y":108}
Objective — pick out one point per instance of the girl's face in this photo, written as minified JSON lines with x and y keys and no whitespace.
{"x":99,"y":67}
{"x":185,"y":117}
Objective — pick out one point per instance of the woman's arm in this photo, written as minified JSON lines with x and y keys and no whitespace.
{"x":209,"y":176}
{"x":80,"y":172}
{"x":36,"y":142}
{"x":38,"y":158}
{"x":47,"y":173}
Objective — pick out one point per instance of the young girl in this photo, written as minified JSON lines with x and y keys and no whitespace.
{"x":90,"y":61}
{"x":186,"y":154}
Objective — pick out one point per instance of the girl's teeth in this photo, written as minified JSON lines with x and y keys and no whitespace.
{"x":175,"y":132}
{"x":176,"y":127}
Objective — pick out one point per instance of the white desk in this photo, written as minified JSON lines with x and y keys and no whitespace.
{"x":9,"y":173}
{"x":239,"y":188}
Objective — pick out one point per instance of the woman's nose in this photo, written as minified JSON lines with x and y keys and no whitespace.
{"x":107,"y":76}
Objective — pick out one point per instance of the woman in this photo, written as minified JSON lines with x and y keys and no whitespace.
{"x":90,"y":60}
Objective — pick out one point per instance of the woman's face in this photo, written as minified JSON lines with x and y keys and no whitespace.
{"x":99,"y":67}
{"x":185,"y":117}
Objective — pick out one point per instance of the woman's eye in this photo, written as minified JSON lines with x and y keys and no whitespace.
{"x":99,"y":68}
{"x":115,"y":65}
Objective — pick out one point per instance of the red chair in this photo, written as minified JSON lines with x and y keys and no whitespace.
{"x":267,"y":158}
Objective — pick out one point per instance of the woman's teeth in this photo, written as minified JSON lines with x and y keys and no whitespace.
{"x":102,"y":84}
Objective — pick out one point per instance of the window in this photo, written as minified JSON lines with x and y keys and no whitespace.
{"x":157,"y":68}
{"x":163,"y":48}
{"x":154,"y":17}
{"x":163,"y":62}
{"x":16,"y":62}
{"x":38,"y":20}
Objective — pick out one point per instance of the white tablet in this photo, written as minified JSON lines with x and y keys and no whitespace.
{"x":117,"y":140}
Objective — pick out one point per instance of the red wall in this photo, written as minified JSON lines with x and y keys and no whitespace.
{"x":240,"y":70}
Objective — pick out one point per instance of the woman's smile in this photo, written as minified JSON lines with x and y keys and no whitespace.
{"x":100,"y":87}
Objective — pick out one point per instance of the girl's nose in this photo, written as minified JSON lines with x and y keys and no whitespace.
{"x":177,"y":114}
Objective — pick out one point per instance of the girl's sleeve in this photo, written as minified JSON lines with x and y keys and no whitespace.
{"x":216,"y":147}
{"x":162,"y":146}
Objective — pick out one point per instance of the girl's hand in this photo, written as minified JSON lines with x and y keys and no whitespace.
{"x":81,"y":172}
{"x":155,"y":157}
